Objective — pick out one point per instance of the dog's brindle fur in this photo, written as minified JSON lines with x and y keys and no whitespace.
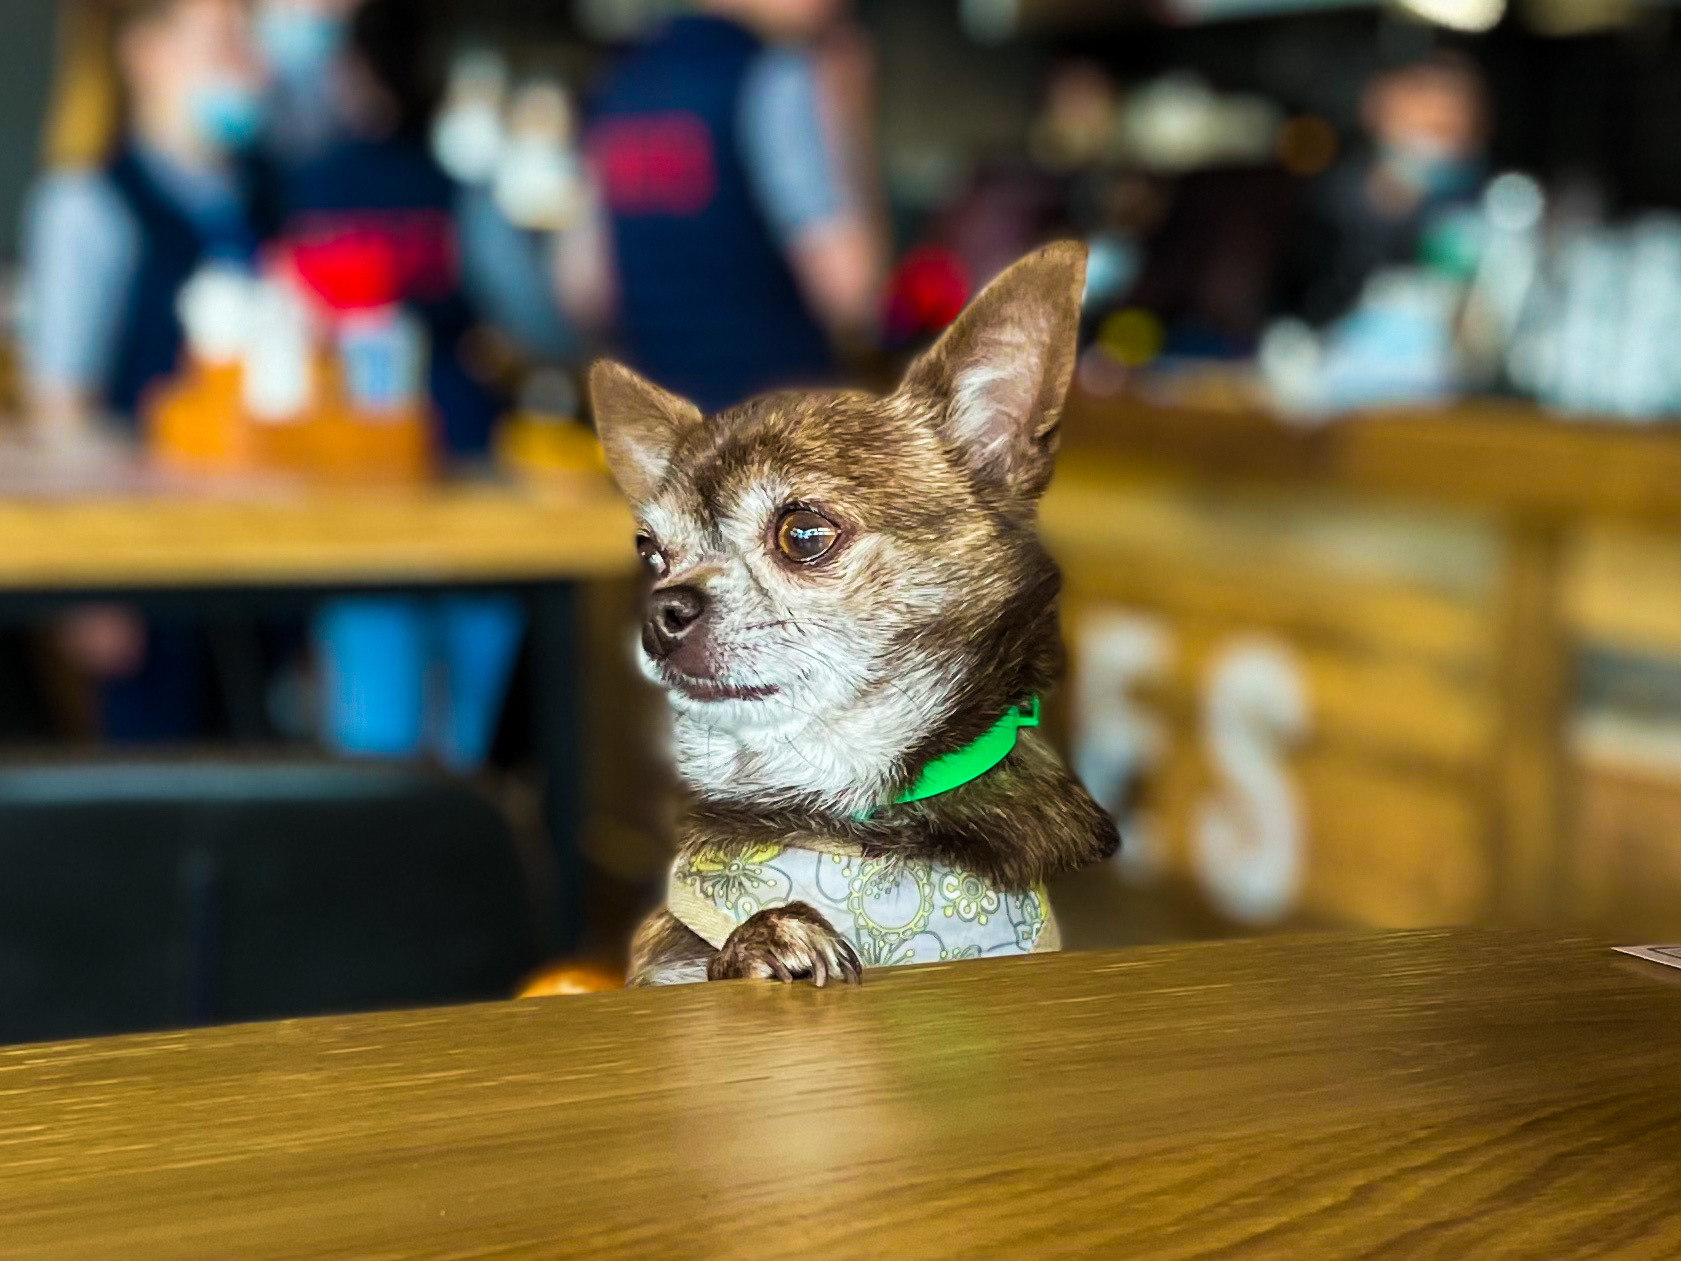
{"x":816,"y":693}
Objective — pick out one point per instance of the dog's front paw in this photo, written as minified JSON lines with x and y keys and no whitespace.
{"x":789,"y":943}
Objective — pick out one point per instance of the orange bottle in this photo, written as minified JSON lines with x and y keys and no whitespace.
{"x":196,"y":422}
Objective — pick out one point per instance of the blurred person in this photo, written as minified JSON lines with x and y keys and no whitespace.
{"x":732,"y":242}
{"x":301,"y":41}
{"x":371,"y":182}
{"x":399,"y":677}
{"x":110,"y":242}
{"x":156,"y":181}
{"x":350,"y":111}
{"x":1427,"y":128}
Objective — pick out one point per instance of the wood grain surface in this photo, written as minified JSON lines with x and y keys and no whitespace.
{"x":1441,"y":1094}
{"x":146,"y":537}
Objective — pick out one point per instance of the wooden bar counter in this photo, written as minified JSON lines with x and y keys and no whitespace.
{"x":1413,"y":659}
{"x":1450,"y":1094}
{"x":1491,"y":454}
{"x":140,"y":535}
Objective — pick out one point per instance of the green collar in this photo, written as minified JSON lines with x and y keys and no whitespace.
{"x":973,"y":760}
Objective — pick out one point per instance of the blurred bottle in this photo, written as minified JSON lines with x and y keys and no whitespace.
{"x":196,"y":421}
{"x":469,"y":132}
{"x":1504,"y":281}
{"x":544,"y":436}
{"x":538,"y":182}
{"x":282,"y":384}
{"x":379,"y":429}
{"x":373,"y":422}
{"x":1598,"y":340}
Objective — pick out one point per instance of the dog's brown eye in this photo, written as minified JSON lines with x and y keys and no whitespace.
{"x":651,"y":556}
{"x":803,"y":536}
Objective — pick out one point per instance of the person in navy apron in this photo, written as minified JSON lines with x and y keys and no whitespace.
{"x":411,"y":676}
{"x":731,"y":241}
{"x":109,"y":245}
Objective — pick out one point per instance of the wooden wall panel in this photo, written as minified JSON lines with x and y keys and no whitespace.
{"x":1377,"y":790}
{"x":1393,"y":850}
{"x":1624,"y":867}
{"x":1309,"y":565}
{"x":1622,"y":588}
{"x":1480,"y":608}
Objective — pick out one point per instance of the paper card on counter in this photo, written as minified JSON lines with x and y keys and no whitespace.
{"x":1669,"y":956}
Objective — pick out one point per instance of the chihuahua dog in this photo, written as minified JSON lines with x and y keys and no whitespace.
{"x":853,"y":615}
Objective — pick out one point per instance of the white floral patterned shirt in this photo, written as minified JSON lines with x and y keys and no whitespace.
{"x":892,"y":911}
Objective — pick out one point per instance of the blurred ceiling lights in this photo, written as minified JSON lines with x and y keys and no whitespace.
{"x":998,"y":21}
{"x":1514,"y":202}
{"x":990,"y":21}
{"x":1178,"y":123}
{"x":1458,"y":15}
{"x":615,"y":21}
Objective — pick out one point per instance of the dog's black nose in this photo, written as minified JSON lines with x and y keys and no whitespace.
{"x":672,"y":613}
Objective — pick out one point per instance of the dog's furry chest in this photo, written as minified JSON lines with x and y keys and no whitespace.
{"x":892,"y":910}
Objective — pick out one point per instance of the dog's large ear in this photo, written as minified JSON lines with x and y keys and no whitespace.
{"x":998,"y":375}
{"x":638,"y":424}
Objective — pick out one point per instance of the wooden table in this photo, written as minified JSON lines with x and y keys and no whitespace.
{"x":147,"y":536}
{"x":1439,"y":1094}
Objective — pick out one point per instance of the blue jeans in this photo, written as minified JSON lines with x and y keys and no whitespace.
{"x":404,"y":676}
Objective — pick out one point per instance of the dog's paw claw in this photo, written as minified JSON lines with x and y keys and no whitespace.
{"x":787,"y":943}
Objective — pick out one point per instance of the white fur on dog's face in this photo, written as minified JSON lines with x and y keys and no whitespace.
{"x":840,"y":700}
{"x":811,"y":684}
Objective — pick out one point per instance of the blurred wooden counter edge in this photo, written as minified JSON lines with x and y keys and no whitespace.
{"x":1535,"y":477}
{"x":1456,"y":1094}
{"x":1497,"y":455}
{"x":116,"y":541}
